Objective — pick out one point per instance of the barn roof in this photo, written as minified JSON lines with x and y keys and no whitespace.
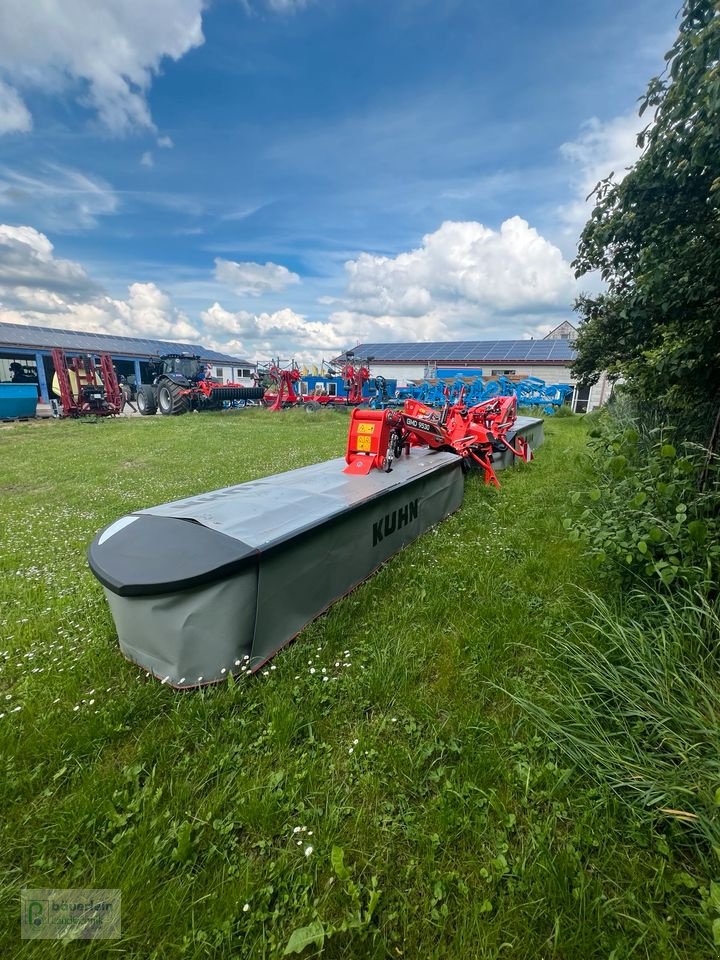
{"x":467,"y":352}
{"x":80,"y":341}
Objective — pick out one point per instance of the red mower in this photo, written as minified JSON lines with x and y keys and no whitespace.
{"x":478,"y":434}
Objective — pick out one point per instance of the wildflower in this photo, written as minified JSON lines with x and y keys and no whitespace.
{"x":223,"y":670}
{"x":355,"y":742}
{"x":312,"y":669}
{"x":308,"y":851}
{"x":246,"y":908}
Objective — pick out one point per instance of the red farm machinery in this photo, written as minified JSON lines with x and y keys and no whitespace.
{"x":84,"y":391}
{"x":282,"y":387}
{"x":479,"y":434}
{"x":179,"y":382}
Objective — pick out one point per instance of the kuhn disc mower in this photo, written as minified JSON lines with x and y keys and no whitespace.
{"x":260,"y":560}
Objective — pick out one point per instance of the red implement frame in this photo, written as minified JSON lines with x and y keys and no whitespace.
{"x":377,"y":437}
{"x":109,"y":401}
{"x":281,"y":392}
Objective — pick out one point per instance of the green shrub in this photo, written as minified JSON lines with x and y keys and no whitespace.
{"x":648,"y":517}
{"x":563,"y":411}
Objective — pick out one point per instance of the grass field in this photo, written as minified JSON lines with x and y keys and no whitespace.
{"x":402,"y":808}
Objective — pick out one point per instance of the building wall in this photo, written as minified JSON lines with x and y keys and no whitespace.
{"x":232,"y":374}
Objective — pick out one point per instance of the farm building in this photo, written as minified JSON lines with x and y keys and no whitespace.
{"x":548,"y":359}
{"x":26,"y":355}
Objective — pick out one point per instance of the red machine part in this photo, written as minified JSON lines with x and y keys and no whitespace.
{"x":96,"y":396}
{"x":281,"y":392}
{"x":355,"y":378}
{"x":474,"y":433}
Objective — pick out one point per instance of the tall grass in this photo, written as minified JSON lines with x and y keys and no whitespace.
{"x":633,"y":698}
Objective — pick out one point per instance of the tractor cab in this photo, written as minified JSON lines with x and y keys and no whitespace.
{"x":182,"y":368}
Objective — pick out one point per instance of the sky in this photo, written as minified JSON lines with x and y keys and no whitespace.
{"x":287,"y":178}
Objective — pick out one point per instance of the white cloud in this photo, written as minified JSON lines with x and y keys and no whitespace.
{"x":165,"y":142}
{"x":146,"y":160}
{"x":286,"y":6}
{"x":283,"y":328}
{"x":602,"y":148}
{"x":57,"y":197}
{"x":510,"y":269}
{"x":14,"y":115}
{"x":464,"y":281}
{"x":29,"y":271}
{"x":103,"y":51}
{"x":38,"y":288}
{"x":253,"y":278}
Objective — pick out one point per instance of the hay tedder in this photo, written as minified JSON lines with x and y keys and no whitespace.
{"x":283,"y":387}
{"x":478,"y":434}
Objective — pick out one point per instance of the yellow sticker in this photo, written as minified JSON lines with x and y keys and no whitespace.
{"x":364,"y":443}
{"x":366,"y":428}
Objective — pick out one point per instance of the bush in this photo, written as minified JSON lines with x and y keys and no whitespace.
{"x":650,"y":517}
{"x":563,"y":411}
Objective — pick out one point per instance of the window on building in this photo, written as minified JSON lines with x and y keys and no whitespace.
{"x":502,"y":373}
{"x":246,"y":373}
{"x":219,"y":371}
{"x":332,"y":389}
{"x":18,"y":369}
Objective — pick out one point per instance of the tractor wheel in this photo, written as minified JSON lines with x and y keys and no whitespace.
{"x":312,"y":406}
{"x":172,"y":400}
{"x":146,"y":402}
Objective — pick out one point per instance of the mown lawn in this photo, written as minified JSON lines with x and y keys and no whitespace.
{"x":463,"y":833}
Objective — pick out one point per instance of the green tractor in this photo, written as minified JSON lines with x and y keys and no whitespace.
{"x":180,"y":383}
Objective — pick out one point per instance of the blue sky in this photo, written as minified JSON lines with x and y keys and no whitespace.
{"x":261,"y":174}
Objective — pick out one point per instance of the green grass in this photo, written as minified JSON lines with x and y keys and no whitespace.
{"x":465,"y":832}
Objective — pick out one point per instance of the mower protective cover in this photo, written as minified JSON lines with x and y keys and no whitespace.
{"x":206,"y":586}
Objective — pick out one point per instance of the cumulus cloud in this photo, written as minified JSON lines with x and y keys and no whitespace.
{"x":56,"y":197}
{"x":601,"y":148}
{"x":506,"y":269}
{"x":30,"y":272}
{"x":38,"y":288}
{"x":14,"y":115}
{"x":253,"y":278}
{"x":268,"y":331}
{"x":465,"y":280}
{"x":104,"y":52}
{"x":146,"y":160}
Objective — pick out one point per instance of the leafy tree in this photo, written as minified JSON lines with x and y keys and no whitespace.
{"x":655,"y":238}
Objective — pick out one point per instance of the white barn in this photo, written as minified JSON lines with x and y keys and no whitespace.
{"x":548,"y":359}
